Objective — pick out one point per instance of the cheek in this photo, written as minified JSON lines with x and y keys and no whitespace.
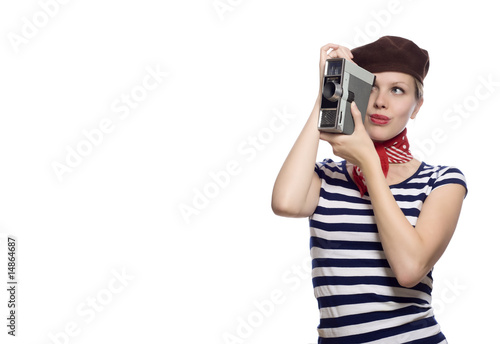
{"x":404,"y":110}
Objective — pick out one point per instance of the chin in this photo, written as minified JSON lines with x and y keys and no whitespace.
{"x":381,"y":134}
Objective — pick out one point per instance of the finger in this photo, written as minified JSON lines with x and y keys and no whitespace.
{"x":330,"y":46}
{"x":327,"y":48}
{"x":324,"y":136}
{"x":329,"y":137}
{"x":346,"y":53}
{"x":325,"y":51}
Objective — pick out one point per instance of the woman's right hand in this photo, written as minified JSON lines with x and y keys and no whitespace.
{"x":330,"y":51}
{"x":297,"y":187}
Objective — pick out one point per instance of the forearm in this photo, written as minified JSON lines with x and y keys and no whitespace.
{"x":297,"y":187}
{"x":402,"y":244}
{"x":294,"y":179}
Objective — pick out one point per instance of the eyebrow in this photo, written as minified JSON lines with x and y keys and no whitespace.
{"x":400,"y":82}
{"x":395,"y":83}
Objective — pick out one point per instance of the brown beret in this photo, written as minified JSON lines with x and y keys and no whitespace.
{"x":393,"y":54}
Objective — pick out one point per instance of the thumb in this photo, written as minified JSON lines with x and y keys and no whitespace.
{"x":356,"y":115}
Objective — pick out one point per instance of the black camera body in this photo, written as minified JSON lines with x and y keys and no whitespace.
{"x":343,"y":83}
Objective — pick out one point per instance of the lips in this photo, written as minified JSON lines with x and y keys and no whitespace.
{"x":379,"y":119}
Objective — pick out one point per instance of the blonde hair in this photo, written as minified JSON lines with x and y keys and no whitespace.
{"x":419,"y":89}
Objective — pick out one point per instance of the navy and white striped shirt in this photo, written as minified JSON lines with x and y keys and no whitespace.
{"x":359,"y":297}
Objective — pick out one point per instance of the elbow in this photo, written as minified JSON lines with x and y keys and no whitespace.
{"x":282,"y":207}
{"x":409,"y":277}
{"x":282,"y":210}
{"x":408,"y":281}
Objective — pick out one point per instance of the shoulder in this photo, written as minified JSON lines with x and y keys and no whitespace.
{"x":439,"y":175}
{"x":335,"y":179}
{"x":328,"y":167}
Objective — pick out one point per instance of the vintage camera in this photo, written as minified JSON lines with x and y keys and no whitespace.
{"x":343,"y":83}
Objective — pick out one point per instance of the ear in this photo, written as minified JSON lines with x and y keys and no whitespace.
{"x":417,"y":108}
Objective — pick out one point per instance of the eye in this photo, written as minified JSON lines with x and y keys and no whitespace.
{"x":398,"y":90}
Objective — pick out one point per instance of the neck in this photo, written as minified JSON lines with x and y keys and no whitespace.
{"x":403,"y":132}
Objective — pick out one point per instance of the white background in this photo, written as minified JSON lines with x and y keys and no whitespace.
{"x":231,"y":269}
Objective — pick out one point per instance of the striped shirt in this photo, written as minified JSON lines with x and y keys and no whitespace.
{"x":359,"y":298}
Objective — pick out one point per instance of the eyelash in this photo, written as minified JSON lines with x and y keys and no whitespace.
{"x":394,"y":89}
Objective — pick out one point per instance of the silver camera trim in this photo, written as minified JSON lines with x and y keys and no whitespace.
{"x":348,"y":68}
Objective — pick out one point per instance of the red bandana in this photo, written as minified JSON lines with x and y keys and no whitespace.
{"x":393,"y":151}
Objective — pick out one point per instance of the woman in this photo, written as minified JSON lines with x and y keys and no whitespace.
{"x":380,"y":219}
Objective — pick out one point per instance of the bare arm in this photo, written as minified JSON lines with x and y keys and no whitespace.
{"x":296,"y":190}
{"x":411,"y":252}
{"x":297,"y":187}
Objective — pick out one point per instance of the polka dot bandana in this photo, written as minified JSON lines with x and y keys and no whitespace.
{"x":393,"y":151}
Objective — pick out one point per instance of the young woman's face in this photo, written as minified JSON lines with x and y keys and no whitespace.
{"x":392,"y":103}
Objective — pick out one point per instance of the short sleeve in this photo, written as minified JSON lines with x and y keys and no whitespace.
{"x":319,"y":168}
{"x":322,"y":167}
{"x":450,"y":175}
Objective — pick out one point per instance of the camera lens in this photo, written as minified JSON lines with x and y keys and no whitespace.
{"x":332,"y":91}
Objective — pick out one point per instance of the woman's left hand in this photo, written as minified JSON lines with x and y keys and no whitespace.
{"x":356,"y":148}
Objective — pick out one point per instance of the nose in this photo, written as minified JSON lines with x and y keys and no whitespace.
{"x":380,"y":101}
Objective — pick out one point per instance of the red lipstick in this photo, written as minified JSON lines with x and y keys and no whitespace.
{"x":379,"y":119}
